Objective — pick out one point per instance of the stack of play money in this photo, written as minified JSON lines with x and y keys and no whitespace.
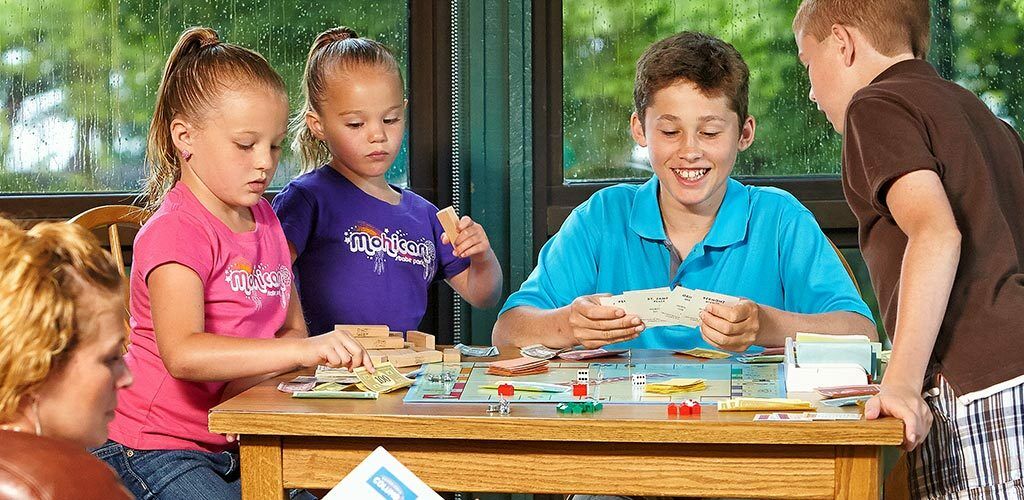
{"x":677,"y":385}
{"x":541,"y":351}
{"x":519,"y":366}
{"x":477,"y":352}
{"x":385,"y":378}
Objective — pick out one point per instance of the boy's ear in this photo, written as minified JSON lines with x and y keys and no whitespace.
{"x":747,"y":133}
{"x":181,"y":134}
{"x":845,"y":44}
{"x":636,"y":128}
{"x":315,"y":126}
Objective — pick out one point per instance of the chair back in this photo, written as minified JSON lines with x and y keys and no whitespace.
{"x":111,"y":216}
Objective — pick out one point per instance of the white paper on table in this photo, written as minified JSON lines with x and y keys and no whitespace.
{"x":381,"y":476}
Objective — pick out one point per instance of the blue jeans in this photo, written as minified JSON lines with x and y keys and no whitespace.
{"x":177,"y":474}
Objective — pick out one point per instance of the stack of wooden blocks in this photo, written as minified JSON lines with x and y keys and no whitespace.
{"x":413,"y":348}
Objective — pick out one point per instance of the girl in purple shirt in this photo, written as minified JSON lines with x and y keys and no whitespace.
{"x":365,"y":251}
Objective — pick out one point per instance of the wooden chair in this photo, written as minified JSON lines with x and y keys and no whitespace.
{"x":849,"y":270}
{"x":112,"y":216}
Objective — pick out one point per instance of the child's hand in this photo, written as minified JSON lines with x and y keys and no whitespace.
{"x":905,"y":403}
{"x":472,"y":240}
{"x":733,"y":328}
{"x":594,"y":325}
{"x":335,"y":349}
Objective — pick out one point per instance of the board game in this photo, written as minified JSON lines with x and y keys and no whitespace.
{"x":609,"y":383}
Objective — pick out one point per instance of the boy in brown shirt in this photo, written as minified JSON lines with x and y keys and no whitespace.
{"x":936,"y":182}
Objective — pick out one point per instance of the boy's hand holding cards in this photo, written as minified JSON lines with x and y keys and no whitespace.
{"x":663,"y":307}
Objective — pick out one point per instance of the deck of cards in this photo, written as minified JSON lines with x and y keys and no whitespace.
{"x":664,"y":307}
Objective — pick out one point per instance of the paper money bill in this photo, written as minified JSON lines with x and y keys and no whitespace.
{"x":700,"y":352}
{"x":477,"y":352}
{"x":541,"y":351}
{"x":385,"y":379}
{"x":298,"y":384}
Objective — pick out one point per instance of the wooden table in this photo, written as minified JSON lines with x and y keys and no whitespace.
{"x":624,"y":449}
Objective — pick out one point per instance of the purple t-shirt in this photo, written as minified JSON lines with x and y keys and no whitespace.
{"x":361,"y":260}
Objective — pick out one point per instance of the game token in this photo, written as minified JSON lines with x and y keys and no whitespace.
{"x":579,"y":389}
{"x":673,"y":410}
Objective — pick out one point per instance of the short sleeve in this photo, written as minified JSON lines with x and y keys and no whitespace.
{"x":884,"y":141}
{"x":297,"y":212}
{"x":814,"y":280}
{"x":448,"y":264}
{"x":174,"y":238}
{"x":566,"y":267}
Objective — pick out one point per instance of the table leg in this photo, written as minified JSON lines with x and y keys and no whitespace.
{"x":858,"y":469}
{"x":262,"y":471}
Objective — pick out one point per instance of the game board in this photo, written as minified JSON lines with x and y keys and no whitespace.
{"x":609,"y":382}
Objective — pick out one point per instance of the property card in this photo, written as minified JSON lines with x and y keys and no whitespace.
{"x":664,"y":307}
{"x":381,"y":476}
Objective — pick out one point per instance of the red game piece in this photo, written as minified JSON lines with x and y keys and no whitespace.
{"x":506,"y":390}
{"x":673,"y":410}
{"x":579,"y":389}
{"x":696,"y":409}
{"x":684,"y":409}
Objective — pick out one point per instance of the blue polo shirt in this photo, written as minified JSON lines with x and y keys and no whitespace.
{"x":763,"y":245}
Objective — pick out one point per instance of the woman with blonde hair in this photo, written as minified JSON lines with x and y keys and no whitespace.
{"x":61,"y":336}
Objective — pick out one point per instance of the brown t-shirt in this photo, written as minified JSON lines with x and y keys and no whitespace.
{"x":911,"y":119}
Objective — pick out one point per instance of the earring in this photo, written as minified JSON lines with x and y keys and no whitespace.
{"x":187,"y":155}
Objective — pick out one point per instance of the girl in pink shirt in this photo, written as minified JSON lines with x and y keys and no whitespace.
{"x":213,"y":306}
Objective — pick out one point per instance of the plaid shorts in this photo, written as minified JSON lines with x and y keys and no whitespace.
{"x":973,"y":451}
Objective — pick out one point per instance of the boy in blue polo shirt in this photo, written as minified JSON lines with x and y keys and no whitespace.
{"x":690,"y":225}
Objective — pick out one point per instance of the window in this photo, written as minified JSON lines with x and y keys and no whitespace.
{"x":976,"y":43}
{"x":78,"y":78}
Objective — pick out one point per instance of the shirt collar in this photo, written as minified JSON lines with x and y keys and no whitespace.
{"x":909,"y":66}
{"x":730,"y":224}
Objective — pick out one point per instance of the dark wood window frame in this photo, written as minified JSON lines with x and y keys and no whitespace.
{"x":553,"y":199}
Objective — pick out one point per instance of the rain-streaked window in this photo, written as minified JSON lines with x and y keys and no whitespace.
{"x":976,"y":43}
{"x":78,"y":78}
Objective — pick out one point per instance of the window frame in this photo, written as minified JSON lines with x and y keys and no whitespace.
{"x":428,"y":131}
{"x":553,"y":199}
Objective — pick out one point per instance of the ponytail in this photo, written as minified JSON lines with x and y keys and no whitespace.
{"x":333,"y":49}
{"x":189,"y":87}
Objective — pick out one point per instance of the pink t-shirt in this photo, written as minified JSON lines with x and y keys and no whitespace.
{"x":247,"y":281}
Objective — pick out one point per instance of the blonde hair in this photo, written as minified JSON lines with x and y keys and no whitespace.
{"x":332,"y":50}
{"x":42,"y":273}
{"x":892,"y":26}
{"x":199,"y":69}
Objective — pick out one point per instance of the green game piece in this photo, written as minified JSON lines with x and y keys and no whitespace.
{"x":588,"y":407}
{"x":598,"y":406}
{"x":577,"y":408}
{"x":562,"y":407}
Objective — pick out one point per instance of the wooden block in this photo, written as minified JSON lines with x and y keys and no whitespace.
{"x":364,"y":331}
{"x":452,"y":355}
{"x":390,"y":342}
{"x":377,"y":356}
{"x":450,"y":222}
{"x":408,"y":357}
{"x":420,"y":339}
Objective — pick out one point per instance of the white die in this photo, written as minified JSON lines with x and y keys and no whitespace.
{"x":583,"y":376}
{"x":639,"y":379}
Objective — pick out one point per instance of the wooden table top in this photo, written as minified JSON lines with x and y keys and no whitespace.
{"x":263,"y":410}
